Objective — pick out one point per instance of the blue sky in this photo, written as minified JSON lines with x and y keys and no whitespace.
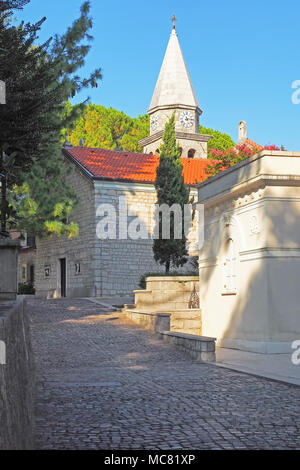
{"x":242,"y":57}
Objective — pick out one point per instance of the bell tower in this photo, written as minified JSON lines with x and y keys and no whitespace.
{"x":174,"y":92}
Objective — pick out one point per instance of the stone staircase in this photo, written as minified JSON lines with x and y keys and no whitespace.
{"x":172,"y":295}
{"x":163,"y":308}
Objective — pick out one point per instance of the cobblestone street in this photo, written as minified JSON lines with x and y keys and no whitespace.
{"x":106,"y":384}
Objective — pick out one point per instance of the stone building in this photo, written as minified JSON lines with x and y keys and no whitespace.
{"x":89,"y":266}
{"x":250,"y":260}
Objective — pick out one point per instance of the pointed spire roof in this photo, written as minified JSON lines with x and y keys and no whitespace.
{"x":174,"y":84}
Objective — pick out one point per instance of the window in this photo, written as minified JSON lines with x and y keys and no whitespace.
{"x":157,"y":151}
{"x":229,"y":269}
{"x":77,"y":269}
{"x":181,"y":150}
{"x":191,"y":153}
{"x":24,"y":272}
{"x":47,"y":271}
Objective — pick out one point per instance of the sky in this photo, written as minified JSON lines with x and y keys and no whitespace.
{"x":242,"y":56}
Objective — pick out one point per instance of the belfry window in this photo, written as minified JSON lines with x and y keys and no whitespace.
{"x":191,"y":153}
{"x":229,"y":269}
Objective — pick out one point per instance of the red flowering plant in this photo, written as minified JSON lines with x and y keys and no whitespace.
{"x":223,"y":160}
{"x":272,"y":147}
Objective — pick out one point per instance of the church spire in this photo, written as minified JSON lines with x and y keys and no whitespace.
{"x":174,"y":86}
{"x":174,"y":94}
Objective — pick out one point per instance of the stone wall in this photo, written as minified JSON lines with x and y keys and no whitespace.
{"x":9,"y":267}
{"x":79,"y":250}
{"x":16,"y":378}
{"x":123,"y":261}
{"x":166,"y":293}
{"x":107,"y":267}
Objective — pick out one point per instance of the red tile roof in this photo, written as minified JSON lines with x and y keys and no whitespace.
{"x":128,"y":166}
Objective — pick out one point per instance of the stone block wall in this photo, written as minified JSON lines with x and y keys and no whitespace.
{"x":108,"y":267}
{"x":79,"y":250}
{"x":16,"y":378}
{"x":123,"y":261}
{"x":166,"y":293}
{"x":171,"y":295}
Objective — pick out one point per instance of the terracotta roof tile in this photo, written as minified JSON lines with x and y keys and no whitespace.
{"x":128,"y":166}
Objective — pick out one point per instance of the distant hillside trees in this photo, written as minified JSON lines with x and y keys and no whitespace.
{"x":220,"y":141}
{"x":108,"y":128}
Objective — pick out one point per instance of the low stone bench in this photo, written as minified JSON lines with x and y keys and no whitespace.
{"x":199,"y":348}
{"x":157,"y":322}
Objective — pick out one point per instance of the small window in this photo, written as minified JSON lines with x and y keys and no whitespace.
{"x":24,"y":272}
{"x":191,"y":153}
{"x":181,"y":150}
{"x":77,"y":269}
{"x":157,"y":151}
{"x":47,"y":271}
{"x":229,"y":269}
{"x":151,"y":153}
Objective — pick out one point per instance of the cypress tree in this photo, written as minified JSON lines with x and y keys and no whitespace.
{"x":171,"y":189}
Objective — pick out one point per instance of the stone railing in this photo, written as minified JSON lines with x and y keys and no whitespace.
{"x":171,"y":294}
{"x":156,"y":322}
{"x":16,"y":378}
{"x":166,"y":293}
{"x":198,"y":348}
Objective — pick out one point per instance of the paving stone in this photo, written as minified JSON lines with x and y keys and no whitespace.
{"x":111,"y":385}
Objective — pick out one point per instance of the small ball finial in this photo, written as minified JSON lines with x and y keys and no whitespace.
{"x":173,"y":19}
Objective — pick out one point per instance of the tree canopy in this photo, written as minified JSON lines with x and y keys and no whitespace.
{"x":108,"y":128}
{"x":219,"y":141}
{"x":39,"y":79}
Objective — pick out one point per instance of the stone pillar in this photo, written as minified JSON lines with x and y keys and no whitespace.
{"x":8,"y":268}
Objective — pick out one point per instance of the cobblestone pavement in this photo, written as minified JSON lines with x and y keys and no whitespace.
{"x":104,"y":383}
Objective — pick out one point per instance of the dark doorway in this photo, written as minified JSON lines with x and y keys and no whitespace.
{"x":31,"y":274}
{"x":63,"y":277}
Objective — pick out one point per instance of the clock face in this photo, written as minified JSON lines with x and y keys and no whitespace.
{"x":186,"y":119}
{"x":153,"y":122}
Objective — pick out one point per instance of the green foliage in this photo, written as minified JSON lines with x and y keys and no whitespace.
{"x":219,"y":141}
{"x":42,"y":219}
{"x":171,"y":190}
{"x":142,"y":281}
{"x":108,"y":128}
{"x":39,"y":81}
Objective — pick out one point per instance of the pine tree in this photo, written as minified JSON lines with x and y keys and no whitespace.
{"x":39,"y":80}
{"x":171,"y":190}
